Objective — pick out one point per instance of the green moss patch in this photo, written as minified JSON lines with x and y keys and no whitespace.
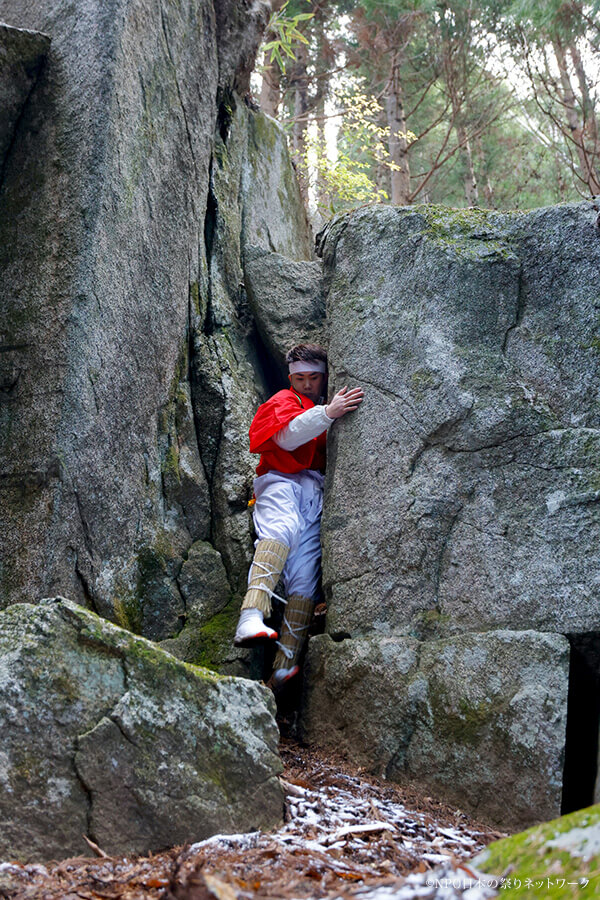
{"x":137,"y":651}
{"x":461,"y":721}
{"x":212,"y":640}
{"x":560,"y":858}
{"x":468,"y":232}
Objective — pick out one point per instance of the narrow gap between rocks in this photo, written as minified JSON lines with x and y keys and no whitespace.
{"x":210,"y":220}
{"x":225,"y":116}
{"x":583,"y":723}
{"x":268,"y":369}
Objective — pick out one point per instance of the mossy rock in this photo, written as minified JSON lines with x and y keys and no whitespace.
{"x":478,"y":719}
{"x":209,"y":644}
{"x":560,"y":858}
{"x":106,"y":734}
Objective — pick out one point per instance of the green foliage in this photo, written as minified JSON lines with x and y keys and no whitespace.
{"x":547,"y":18}
{"x":286,"y":31}
{"x":362,"y":147}
{"x":477,"y":83}
{"x":344,"y":183}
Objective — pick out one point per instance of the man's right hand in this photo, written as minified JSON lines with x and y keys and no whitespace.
{"x":344,"y":401}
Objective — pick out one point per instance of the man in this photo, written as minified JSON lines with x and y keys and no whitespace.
{"x":290,"y":433}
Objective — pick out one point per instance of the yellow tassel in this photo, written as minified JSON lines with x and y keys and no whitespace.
{"x":252,"y":502}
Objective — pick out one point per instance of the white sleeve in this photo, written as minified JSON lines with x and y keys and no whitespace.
{"x":308,"y":425}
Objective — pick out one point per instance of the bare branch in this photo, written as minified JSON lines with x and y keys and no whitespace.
{"x":422,"y":97}
{"x":439,"y":162}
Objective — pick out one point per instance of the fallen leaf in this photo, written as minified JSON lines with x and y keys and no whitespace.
{"x":220,"y":889}
{"x":97,"y":850}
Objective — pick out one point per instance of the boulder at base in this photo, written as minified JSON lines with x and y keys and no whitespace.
{"x":556,"y":859}
{"x":478,"y":719}
{"x":105,"y":734}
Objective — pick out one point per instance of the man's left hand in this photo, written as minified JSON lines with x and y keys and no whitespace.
{"x":344,"y":401}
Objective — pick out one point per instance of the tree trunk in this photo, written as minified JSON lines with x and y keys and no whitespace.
{"x":299,"y":85}
{"x":488,"y":190}
{"x":398,"y":140}
{"x":590,"y":123}
{"x":452,"y":84}
{"x":560,"y":179}
{"x":470,"y":181}
{"x":382,"y":172}
{"x":320,"y":186}
{"x":588,"y":174}
{"x":270,"y":91}
{"x":322,"y":89}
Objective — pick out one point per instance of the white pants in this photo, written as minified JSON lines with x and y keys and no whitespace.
{"x":288,"y":509}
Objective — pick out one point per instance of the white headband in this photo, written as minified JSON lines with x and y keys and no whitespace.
{"x":302,"y":366}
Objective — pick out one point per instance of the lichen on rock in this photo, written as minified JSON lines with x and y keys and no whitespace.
{"x":478,"y":718}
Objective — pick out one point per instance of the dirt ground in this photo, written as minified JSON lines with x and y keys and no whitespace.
{"x":346,"y":834}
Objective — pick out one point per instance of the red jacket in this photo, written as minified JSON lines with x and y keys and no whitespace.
{"x":270,"y":418}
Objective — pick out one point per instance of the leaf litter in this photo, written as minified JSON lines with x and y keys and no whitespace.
{"x":346,"y":836}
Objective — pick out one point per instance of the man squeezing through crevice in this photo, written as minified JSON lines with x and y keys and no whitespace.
{"x":290,"y":433}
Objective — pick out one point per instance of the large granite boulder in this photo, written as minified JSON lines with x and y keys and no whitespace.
{"x":478,"y":719}
{"x":462,"y":499}
{"x":134,"y":181}
{"x":106,"y":735}
{"x":464,"y":495}
{"x":101,"y":211}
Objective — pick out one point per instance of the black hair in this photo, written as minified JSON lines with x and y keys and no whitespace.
{"x":307,"y":353}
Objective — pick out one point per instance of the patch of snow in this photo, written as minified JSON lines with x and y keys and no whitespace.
{"x":9,"y":867}
{"x":239,"y":841}
{"x":444,"y":883}
{"x":581,"y":842}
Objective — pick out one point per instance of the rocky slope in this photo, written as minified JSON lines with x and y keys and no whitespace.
{"x":344,"y":834}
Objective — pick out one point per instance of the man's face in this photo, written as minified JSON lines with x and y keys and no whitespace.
{"x":311,"y":384}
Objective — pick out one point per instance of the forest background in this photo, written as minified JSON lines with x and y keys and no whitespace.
{"x":460,"y":102}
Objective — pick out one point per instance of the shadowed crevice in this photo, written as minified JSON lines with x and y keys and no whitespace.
{"x":583,"y":723}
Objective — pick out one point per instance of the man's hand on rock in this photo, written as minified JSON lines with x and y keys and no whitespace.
{"x":344,"y":401}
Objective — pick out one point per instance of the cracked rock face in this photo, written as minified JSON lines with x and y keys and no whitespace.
{"x":136,"y":188}
{"x":286,"y":298}
{"x":102,"y":211}
{"x":464,"y":495}
{"x":104,"y":734}
{"x":463,"y":499}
